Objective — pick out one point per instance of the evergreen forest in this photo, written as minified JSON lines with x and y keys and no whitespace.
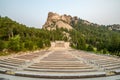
{"x":16,"y":37}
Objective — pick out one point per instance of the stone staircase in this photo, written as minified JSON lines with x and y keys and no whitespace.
{"x":60,"y":64}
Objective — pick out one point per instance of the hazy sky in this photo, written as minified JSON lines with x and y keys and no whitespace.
{"x":34,"y":12}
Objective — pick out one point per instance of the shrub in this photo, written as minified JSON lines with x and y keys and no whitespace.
{"x":14,"y":43}
{"x":3,"y":45}
{"x":90,"y":48}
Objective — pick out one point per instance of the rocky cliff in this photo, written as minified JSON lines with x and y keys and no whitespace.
{"x":114,"y":27}
{"x":55,"y":20}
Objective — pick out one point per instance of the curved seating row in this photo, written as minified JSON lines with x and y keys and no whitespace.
{"x":105,"y":62}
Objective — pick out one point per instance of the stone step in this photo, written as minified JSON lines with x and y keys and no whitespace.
{"x":12,"y":59}
{"x":112,"y":67}
{"x":60,"y":70}
{"x":39,"y":67}
{"x":3,"y":70}
{"x":9,"y":61}
{"x":60,"y":76}
{"x":11,"y":64}
{"x":60,"y":65}
{"x":108,"y":65}
{"x":105,"y":63}
{"x":7,"y":66}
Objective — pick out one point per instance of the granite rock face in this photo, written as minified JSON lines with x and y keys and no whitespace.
{"x":55,"y":20}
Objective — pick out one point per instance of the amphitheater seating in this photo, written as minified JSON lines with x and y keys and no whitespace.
{"x":11,"y":63}
{"x":60,"y":56}
{"x":18,"y":61}
{"x":59,"y":61}
{"x":32,"y":55}
{"x":105,"y":62}
{"x":63,"y":62}
{"x":60,"y":66}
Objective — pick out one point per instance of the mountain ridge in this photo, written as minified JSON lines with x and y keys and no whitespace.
{"x":54,"y":20}
{"x":63,"y":21}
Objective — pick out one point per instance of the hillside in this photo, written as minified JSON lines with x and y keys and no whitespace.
{"x":65,"y":21}
{"x":81,"y":34}
{"x":19,"y":37}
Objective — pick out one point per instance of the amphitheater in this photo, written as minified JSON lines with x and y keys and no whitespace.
{"x":60,"y":62}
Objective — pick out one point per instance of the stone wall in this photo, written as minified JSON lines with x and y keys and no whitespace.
{"x":60,"y":45}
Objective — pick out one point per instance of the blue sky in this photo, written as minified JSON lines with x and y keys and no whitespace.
{"x":34,"y":12}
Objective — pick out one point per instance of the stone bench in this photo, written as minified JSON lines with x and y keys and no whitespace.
{"x":31,"y":56}
{"x":60,"y":65}
{"x":50,"y":67}
{"x":14,"y":62}
{"x":60,"y":76}
{"x":112,"y":67}
{"x":14,"y":59}
{"x":3,"y":70}
{"x":99,"y":61}
{"x":108,"y":65}
{"x":7,"y":66}
{"x":60,"y":70}
{"x":63,"y":65}
{"x":11,"y":64}
{"x":57,"y":62}
{"x":59,"y":59}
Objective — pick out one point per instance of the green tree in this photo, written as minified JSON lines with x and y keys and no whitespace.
{"x":3,"y":45}
{"x":14,"y":43}
{"x":81,"y":43}
{"x":40,"y":43}
{"x":90,"y":48}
